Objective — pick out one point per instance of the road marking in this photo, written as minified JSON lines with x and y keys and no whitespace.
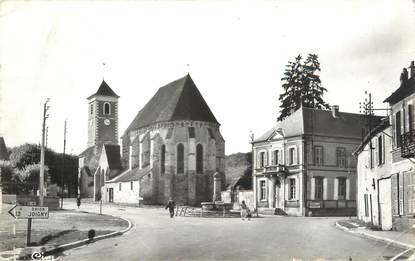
{"x":400,"y":254}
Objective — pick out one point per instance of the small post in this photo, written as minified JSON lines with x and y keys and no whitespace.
{"x":100,"y":207}
{"x":14,"y":237}
{"x":29,"y":231}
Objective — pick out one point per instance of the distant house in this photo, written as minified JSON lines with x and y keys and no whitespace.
{"x":304,"y":164}
{"x":386,"y":174}
{"x":125,"y":188}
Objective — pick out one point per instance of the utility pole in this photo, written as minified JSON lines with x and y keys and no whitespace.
{"x":42,"y":153}
{"x":366,"y":108}
{"x":63,"y":164}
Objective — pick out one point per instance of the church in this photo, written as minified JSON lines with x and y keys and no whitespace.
{"x":171,"y":149}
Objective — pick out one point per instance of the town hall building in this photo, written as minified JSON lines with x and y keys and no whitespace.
{"x":304,"y":164}
{"x":171,"y":149}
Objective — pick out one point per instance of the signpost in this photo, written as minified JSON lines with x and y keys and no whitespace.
{"x":29,"y":213}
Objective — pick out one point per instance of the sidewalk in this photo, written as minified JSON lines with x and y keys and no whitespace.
{"x":404,"y":239}
{"x":62,"y":227}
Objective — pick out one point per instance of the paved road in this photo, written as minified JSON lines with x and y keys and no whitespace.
{"x":157,"y":237}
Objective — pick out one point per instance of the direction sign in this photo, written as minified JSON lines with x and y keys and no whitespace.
{"x":22,"y":212}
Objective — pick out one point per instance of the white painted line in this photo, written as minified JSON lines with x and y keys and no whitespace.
{"x":400,"y":254}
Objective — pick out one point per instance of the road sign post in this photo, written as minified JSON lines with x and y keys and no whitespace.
{"x":29,"y":231}
{"x":29,"y":213}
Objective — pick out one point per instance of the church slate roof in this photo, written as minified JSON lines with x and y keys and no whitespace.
{"x":131,"y":175}
{"x":311,"y":121}
{"x":104,"y":90}
{"x":91,"y":157}
{"x":178,"y":100}
{"x":406,"y":88}
{"x":113,"y":156}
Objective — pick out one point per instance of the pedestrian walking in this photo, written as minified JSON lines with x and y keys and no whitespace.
{"x":170,"y":205}
{"x":78,"y":201}
{"x":245,"y":212}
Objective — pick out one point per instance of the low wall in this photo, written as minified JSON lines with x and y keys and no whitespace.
{"x":226,"y":196}
{"x":243,"y":195}
{"x":24,"y":200}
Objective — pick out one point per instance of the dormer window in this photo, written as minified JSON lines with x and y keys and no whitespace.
{"x":107,"y":108}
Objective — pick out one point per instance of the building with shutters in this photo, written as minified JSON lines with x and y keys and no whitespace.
{"x":386,"y":175}
{"x":374,"y":162}
{"x":304,"y":164}
{"x":402,"y":103}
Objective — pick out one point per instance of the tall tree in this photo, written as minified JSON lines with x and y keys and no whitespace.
{"x":29,"y":154}
{"x":302,"y":86}
{"x":314,"y":91}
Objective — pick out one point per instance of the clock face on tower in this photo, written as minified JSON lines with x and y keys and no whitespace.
{"x":107,"y":122}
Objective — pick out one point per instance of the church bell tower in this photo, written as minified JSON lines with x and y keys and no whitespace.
{"x":103,"y":116}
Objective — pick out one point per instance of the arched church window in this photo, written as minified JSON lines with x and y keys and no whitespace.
{"x":145,"y":146}
{"x":199,"y":158}
{"x":102,"y":178}
{"x":163,"y":159}
{"x":180,"y":158}
{"x":107,"y":108}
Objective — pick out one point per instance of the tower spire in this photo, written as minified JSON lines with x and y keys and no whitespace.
{"x":103,"y":71}
{"x":188,"y":68}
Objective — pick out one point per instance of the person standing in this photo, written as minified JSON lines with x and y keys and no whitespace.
{"x":245,"y":211}
{"x":170,"y":205}
{"x":78,"y":201}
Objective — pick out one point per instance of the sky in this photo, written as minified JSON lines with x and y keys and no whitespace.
{"x":235,"y":51}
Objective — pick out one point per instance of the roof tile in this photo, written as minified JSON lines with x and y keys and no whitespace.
{"x":178,"y":100}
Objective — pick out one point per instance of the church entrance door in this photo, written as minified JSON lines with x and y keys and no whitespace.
{"x":111,"y":195}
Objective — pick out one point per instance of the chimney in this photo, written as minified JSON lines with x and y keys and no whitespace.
{"x":404,"y":75}
{"x":412,"y":69}
{"x":335,"y":111}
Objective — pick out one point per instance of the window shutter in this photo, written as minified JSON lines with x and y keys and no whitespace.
{"x":383,"y":149}
{"x":410,"y":117}
{"x":266,"y":158}
{"x":258,"y":160}
{"x":280,"y":156}
{"x":375,"y":149}
{"x":295,"y":156}
{"x":393,"y":131}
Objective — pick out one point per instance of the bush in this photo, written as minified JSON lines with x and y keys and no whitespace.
{"x":27,"y":179}
{"x":7,"y":174}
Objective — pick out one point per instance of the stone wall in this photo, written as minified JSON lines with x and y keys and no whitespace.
{"x":98,"y":132}
{"x":189,"y":187}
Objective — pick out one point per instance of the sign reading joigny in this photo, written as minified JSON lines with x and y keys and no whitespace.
{"x":22,"y":212}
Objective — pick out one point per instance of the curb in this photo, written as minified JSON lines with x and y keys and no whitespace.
{"x":377,"y":238}
{"x":79,"y":243}
{"x":83,"y":242}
